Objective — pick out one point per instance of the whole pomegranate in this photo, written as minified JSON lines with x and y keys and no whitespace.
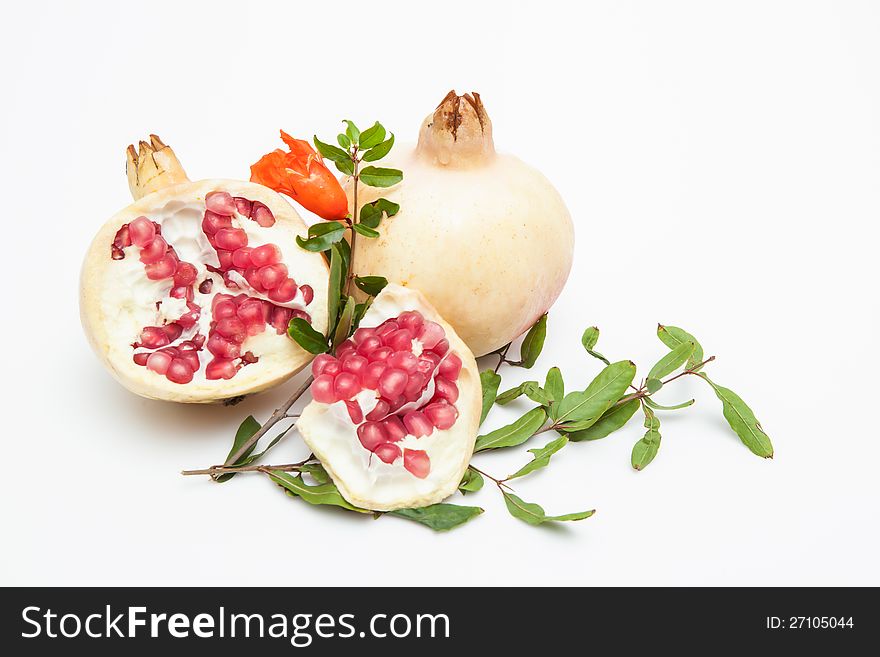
{"x":186,"y":294}
{"x":484,"y":236}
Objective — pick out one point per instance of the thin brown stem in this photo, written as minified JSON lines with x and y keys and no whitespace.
{"x":222,"y":469}
{"x":692,"y":370}
{"x":498,"y":482}
{"x":502,"y":357}
{"x":354,"y":220}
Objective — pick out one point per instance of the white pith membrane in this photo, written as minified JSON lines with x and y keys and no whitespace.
{"x":176,"y":316}
{"x":402,"y":435}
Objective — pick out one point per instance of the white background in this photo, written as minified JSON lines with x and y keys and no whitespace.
{"x":721,"y":162}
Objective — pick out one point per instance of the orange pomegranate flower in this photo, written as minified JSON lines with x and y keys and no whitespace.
{"x":302,"y":175}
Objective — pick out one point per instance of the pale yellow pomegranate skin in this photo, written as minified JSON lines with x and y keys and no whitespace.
{"x":485,"y":237}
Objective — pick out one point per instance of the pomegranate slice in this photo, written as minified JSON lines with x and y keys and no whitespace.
{"x":187,"y":293}
{"x":393,"y":419}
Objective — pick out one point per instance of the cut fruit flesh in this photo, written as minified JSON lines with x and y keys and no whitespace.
{"x":207,"y":274}
{"x":396,"y":411}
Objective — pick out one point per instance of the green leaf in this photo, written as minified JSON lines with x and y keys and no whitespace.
{"x":246,"y":431}
{"x":513,"y":434}
{"x":742,"y":420}
{"x":489,"y":381}
{"x":653,"y":385}
{"x":533,"y":343}
{"x":307,"y":337}
{"x":352,"y":131}
{"x":359,"y":311}
{"x":440,"y":517}
{"x":346,"y":167}
{"x":645,"y":450}
{"x":317,"y":472}
{"x":589,"y":340}
{"x":672,"y":336}
{"x":372,"y":136}
{"x":672,"y":360}
{"x":534,"y":514}
{"x":650,"y":402}
{"x":554,"y":387}
{"x":331,"y":152}
{"x":509,"y":395}
{"x":372,"y":213}
{"x":589,"y":405}
{"x":343,"y":141}
{"x":612,"y":420}
{"x":471,"y":482}
{"x":541,"y":457}
{"x":366,"y":231}
{"x":371,"y":285}
{"x":380,"y":176}
{"x":321,"y":236}
{"x":338,"y":272}
{"x":343,"y":327}
{"x":318,"y":494}
{"x":380,"y":151}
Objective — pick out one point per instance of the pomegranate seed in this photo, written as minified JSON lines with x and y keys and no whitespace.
{"x":417,"y":424}
{"x":431,"y":334}
{"x":280,"y":319}
{"x":412,"y":320}
{"x":243,"y":206}
{"x":369,"y":345}
{"x":249,"y":358}
{"x":262,"y":215}
{"x":308,"y":294}
{"x":185,"y":274}
{"x":154,"y":250}
{"x":354,"y":412}
{"x":380,"y":410}
{"x":428,"y":362}
{"x":122,"y":237}
{"x":320,"y":363}
{"x":141,"y":231}
{"x":346,"y":385}
{"x":225,"y":259}
{"x":179,"y":371}
{"x":271,"y":276}
{"x":231,"y":239}
{"x":388,"y":453}
{"x":346,"y":348}
{"x":355,"y":364}
{"x":441,"y":347}
{"x":392,"y":383}
{"x":382,"y":353}
{"x":173,"y":331}
{"x":251,"y":312}
{"x":164,"y":268}
{"x":141,"y":358}
{"x":159,"y":362}
{"x":403,"y":360}
{"x":221,"y":203}
{"x":192,"y":358}
{"x":214,"y":222}
{"x":372,"y":373}
{"x":322,"y":389}
{"x":451,"y":367}
{"x":252,"y":276}
{"x":205,"y":286}
{"x":333,"y":368}
{"x":224,"y":309}
{"x":362,"y":334}
{"x":400,"y":340}
{"x":198,"y":340}
{"x":417,"y":462}
{"x":285,"y":292}
{"x":268,"y":254}
{"x":371,"y":435}
{"x":441,"y":414}
{"x":220,"y":346}
{"x":153,"y":337}
{"x":445,"y":389}
{"x":241,"y":258}
{"x":414,"y":386}
{"x":232,"y":328}
{"x":397,"y":403}
{"x":220,"y":368}
{"x":394,"y":428}
{"x":387,"y":327}
{"x":302,"y":315}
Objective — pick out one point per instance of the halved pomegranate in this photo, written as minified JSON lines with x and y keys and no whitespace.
{"x":396,"y":411}
{"x":186,"y":294}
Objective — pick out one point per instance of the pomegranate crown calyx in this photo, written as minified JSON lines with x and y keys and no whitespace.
{"x":151,"y":167}
{"x":459,"y":132}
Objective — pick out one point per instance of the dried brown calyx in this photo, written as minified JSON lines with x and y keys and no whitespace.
{"x":458,"y":133}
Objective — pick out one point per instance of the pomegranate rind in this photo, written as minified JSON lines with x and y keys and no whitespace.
{"x":367,"y":482}
{"x":101,"y":318}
